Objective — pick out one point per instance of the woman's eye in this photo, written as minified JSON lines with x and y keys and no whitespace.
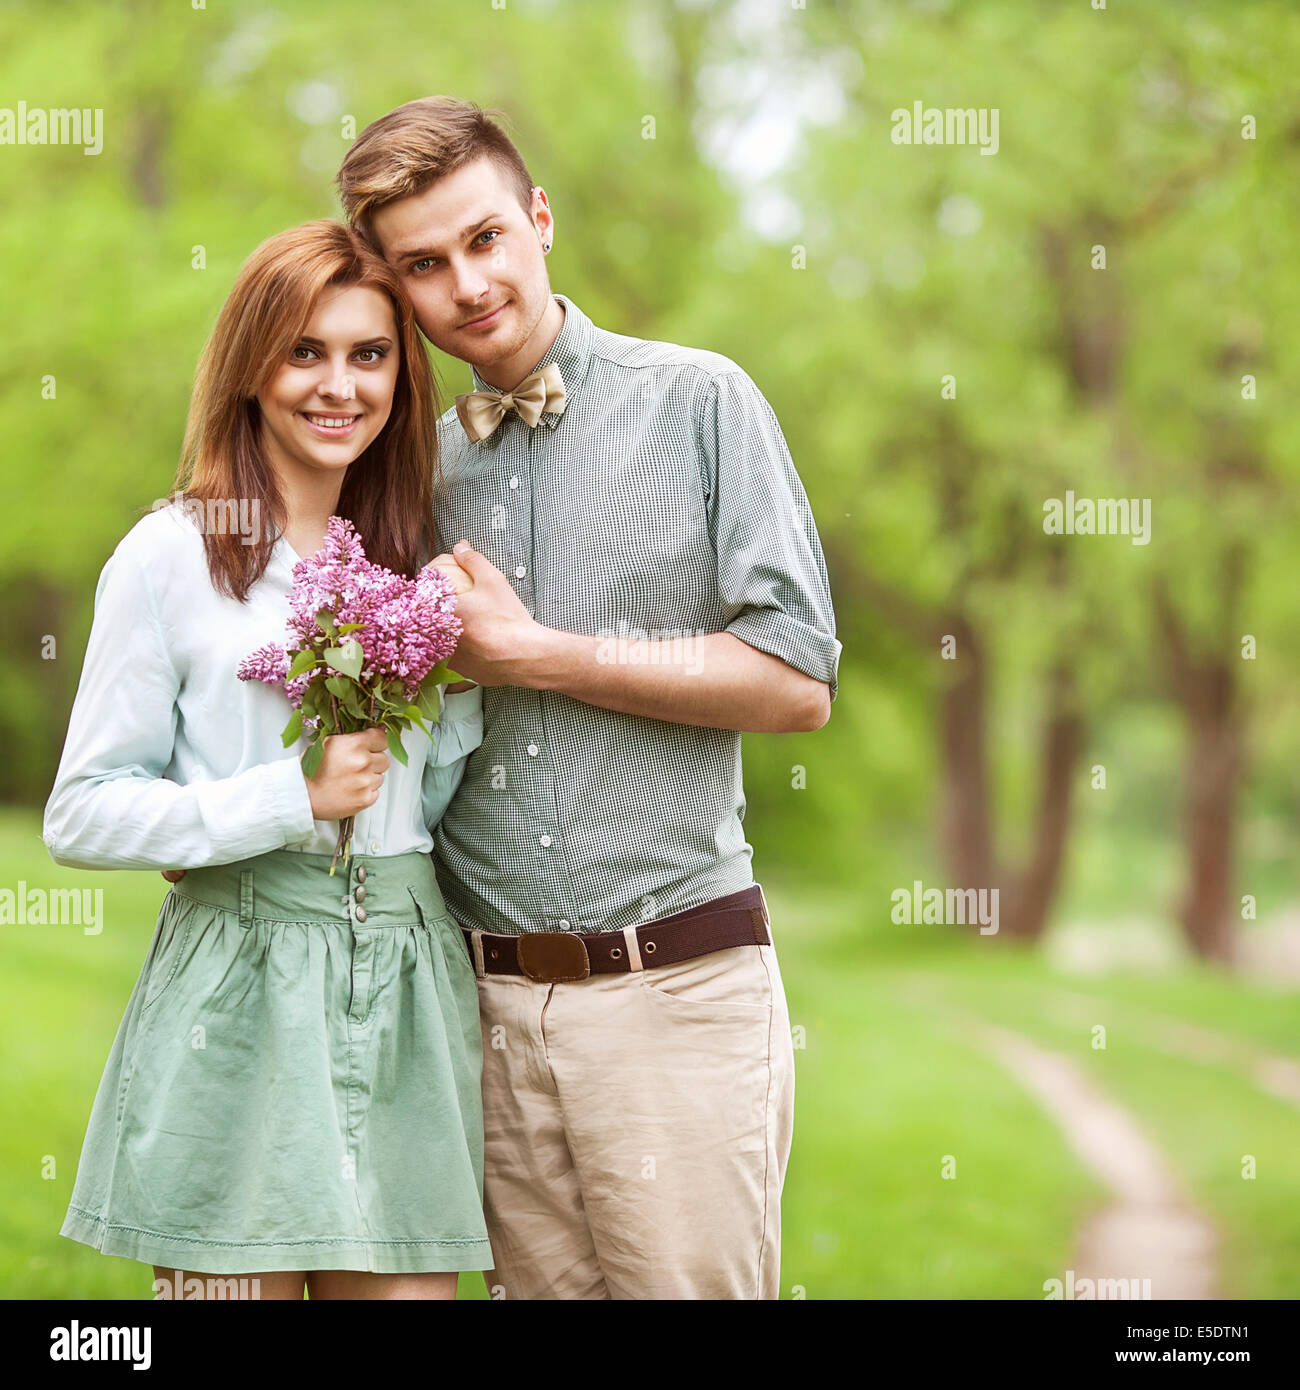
{"x":371,"y":354}
{"x":302,"y":348}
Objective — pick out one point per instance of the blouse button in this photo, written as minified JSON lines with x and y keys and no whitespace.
{"x":374,"y":847}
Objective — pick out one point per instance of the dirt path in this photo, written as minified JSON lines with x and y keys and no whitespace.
{"x":1277,"y":1076}
{"x":1149,"y":1230}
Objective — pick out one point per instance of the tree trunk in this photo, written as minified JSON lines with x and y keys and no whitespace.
{"x":1035,"y":888}
{"x":1206,"y":691}
{"x":966,"y":826}
{"x":1213,"y":776}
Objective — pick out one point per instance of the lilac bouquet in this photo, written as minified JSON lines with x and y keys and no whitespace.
{"x":366,"y":648}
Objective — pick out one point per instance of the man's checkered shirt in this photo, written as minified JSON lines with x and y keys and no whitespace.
{"x":662,"y":501}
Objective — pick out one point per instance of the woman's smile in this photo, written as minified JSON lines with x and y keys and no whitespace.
{"x":329,"y":426}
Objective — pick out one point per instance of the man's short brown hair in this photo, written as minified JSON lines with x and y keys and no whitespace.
{"x":402,"y":153}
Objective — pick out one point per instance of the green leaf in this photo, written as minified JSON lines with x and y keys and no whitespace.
{"x":302,"y":663}
{"x":349,"y":627}
{"x":346,"y":658}
{"x":442,"y":674}
{"x":395,"y":746}
{"x":293,"y":729}
{"x":353,"y":703}
{"x":325,"y":621}
{"x":338,"y":686}
{"x":416,"y":716}
{"x":428,"y":703}
{"x":311,"y":760}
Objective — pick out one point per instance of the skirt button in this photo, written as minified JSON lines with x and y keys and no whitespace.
{"x":361,"y":873}
{"x":359,"y":894}
{"x":361,"y":914}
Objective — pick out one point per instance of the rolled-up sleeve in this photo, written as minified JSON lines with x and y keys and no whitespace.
{"x":112,"y":806}
{"x":772,"y":576}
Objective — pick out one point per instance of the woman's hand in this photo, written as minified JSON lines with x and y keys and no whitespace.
{"x":461,"y":581}
{"x":350,"y":774}
{"x":348,"y":779}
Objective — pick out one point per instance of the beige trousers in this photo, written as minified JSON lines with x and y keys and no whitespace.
{"x":637,"y":1130}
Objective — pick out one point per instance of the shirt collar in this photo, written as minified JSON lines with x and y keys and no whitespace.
{"x":571,"y":352}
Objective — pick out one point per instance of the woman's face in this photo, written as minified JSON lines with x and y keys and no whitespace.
{"x":333,"y":393}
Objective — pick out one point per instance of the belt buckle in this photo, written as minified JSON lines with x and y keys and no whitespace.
{"x":553,"y":957}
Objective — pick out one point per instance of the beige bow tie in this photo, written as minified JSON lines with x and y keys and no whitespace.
{"x":482,"y":411}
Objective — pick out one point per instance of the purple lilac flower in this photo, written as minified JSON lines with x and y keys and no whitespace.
{"x":269,"y":664}
{"x":407,"y":626}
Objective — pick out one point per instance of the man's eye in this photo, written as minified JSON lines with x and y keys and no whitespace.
{"x":492,"y":232}
{"x":424,"y":261}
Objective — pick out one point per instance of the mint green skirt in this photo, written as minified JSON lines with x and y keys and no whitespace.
{"x":295,"y":1083}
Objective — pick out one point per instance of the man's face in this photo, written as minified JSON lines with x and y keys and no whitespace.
{"x":467,"y":251}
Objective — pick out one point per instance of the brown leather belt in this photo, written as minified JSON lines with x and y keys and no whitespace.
{"x":556,"y":957}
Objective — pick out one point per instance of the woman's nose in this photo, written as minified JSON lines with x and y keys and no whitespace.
{"x":337,"y":383}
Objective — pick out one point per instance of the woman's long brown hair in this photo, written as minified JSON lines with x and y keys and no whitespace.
{"x":388,"y":489}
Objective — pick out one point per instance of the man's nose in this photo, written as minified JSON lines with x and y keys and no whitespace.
{"x":469,"y":285}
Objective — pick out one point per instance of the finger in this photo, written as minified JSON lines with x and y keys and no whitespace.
{"x":460,"y":579}
{"x":472,"y":562}
{"x":376,"y":740}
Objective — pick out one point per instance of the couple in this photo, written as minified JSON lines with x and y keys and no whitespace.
{"x":537,"y":1027}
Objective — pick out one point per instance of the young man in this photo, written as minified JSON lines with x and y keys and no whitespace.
{"x":647,"y":581}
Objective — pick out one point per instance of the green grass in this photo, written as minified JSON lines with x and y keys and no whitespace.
{"x":888,"y":1087}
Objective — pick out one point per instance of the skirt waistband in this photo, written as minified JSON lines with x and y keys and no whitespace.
{"x":289,"y":886}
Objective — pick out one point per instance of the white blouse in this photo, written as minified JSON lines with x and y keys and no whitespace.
{"x":172,"y":762}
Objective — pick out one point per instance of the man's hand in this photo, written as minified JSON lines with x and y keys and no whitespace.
{"x":713,"y":679}
{"x":498,"y":628}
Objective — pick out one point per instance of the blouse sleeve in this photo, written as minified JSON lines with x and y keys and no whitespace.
{"x":458,"y":734}
{"x":112,"y":807}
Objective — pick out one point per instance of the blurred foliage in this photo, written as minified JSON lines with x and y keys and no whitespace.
{"x":770,"y":218}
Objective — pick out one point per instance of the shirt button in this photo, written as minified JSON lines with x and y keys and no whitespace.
{"x":564,"y":926}
{"x":520,"y":571}
{"x":532,"y":750}
{"x":546,"y":840}
{"x":514,"y":482}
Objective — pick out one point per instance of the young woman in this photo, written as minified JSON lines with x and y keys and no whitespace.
{"x":293,"y":1092}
